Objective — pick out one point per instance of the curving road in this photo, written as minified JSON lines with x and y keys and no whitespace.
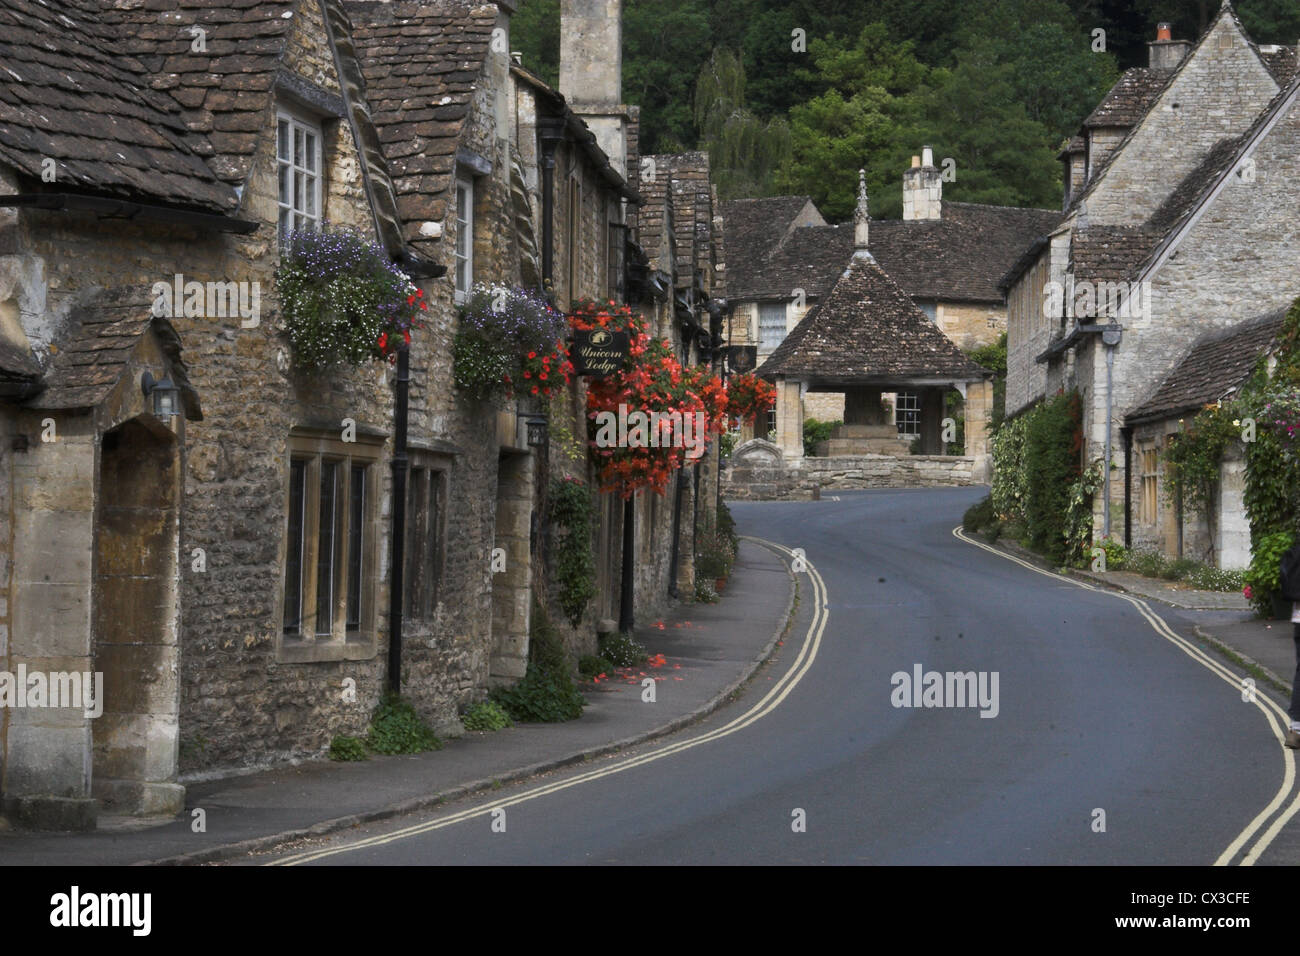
{"x":1101,"y":709}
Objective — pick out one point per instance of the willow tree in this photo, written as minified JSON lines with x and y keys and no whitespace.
{"x":745,"y":150}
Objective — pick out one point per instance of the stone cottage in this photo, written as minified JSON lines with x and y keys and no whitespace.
{"x":1180,"y":227}
{"x":188,"y":510}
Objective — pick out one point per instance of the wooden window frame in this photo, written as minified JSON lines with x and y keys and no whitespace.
{"x":299,"y":122}
{"x":464,"y":234}
{"x":300,"y":642}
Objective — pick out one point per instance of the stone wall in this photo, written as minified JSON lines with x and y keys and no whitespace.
{"x":758,"y":472}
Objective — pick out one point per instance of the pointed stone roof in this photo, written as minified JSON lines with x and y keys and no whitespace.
{"x":867,"y":331}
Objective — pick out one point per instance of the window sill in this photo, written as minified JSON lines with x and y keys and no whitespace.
{"x":294,"y":650}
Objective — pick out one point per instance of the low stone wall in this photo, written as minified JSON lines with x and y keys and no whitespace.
{"x":807,"y":478}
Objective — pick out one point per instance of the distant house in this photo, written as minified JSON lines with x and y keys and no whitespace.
{"x":947,"y":257}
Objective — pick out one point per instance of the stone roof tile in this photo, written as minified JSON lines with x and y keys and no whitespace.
{"x":1214,"y":368}
{"x":868,"y":331}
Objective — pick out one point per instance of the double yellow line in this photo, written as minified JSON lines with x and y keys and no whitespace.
{"x":770,"y":701}
{"x":1276,"y":716}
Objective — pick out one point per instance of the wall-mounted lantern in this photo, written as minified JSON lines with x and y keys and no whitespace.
{"x":166,"y":396}
{"x":537,"y":431}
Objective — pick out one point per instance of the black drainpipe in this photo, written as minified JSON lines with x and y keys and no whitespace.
{"x":401,"y":464}
{"x":677,"y":533}
{"x":1127,"y":434}
{"x":550,"y":132}
{"x":625,"y":615}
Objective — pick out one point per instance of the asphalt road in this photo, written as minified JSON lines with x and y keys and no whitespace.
{"x":1113,"y":742}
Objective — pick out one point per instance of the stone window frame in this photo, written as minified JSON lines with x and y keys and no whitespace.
{"x":763,"y":344}
{"x":314,"y":446}
{"x":299,"y":120}
{"x":463,"y":250}
{"x":423,"y":580}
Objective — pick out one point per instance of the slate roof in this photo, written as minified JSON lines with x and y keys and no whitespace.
{"x":17,"y":365}
{"x":867,"y":331}
{"x":92,"y":357}
{"x":223,"y":92}
{"x":1215,"y":367}
{"x":957,"y":258}
{"x":421,"y":62}
{"x":1130,"y":97}
{"x":1109,"y":253}
{"x":102,"y":89}
{"x":1280,"y":61}
{"x":752,"y":228}
{"x":961,"y":256}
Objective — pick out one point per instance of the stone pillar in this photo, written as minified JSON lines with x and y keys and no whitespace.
{"x":47,"y":770}
{"x":979,"y":417}
{"x":512,"y":588}
{"x":789,"y":419}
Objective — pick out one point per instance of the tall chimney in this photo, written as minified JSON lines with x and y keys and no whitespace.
{"x":861,"y":215}
{"x":922,"y":188}
{"x":591,"y":71}
{"x":1165,"y":52}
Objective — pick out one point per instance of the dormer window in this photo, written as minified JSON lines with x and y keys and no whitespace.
{"x":298,"y":162}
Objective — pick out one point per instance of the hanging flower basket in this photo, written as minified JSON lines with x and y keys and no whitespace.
{"x":654,"y":383}
{"x":748,"y":397}
{"x":342,"y":300}
{"x":510,"y":341}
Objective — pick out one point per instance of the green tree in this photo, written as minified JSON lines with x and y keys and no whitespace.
{"x":745,"y":151}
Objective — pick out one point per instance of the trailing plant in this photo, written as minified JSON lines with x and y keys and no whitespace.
{"x":342,"y":300}
{"x":1263,"y":576}
{"x":486,"y":715}
{"x":1078,"y":513}
{"x":1053,"y":440}
{"x":396,"y":728}
{"x":510,"y":340}
{"x":348,"y":749}
{"x":705,"y":592}
{"x":1196,"y":456}
{"x":1009,"y":487}
{"x":652,"y":382}
{"x":562,"y":439}
{"x":573,"y":509}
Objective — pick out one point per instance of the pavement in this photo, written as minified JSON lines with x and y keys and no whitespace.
{"x":710,"y":651}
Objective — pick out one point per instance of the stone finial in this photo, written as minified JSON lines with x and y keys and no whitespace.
{"x":862,"y":214}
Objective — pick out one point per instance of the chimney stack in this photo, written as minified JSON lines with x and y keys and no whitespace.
{"x":591,"y":71}
{"x":922,"y":188}
{"x":861,"y":215}
{"x":1165,"y":52}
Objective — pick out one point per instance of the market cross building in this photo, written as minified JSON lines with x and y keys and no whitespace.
{"x":865,"y":338}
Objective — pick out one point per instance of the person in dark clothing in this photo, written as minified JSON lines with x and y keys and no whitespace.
{"x":1289,"y":579}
